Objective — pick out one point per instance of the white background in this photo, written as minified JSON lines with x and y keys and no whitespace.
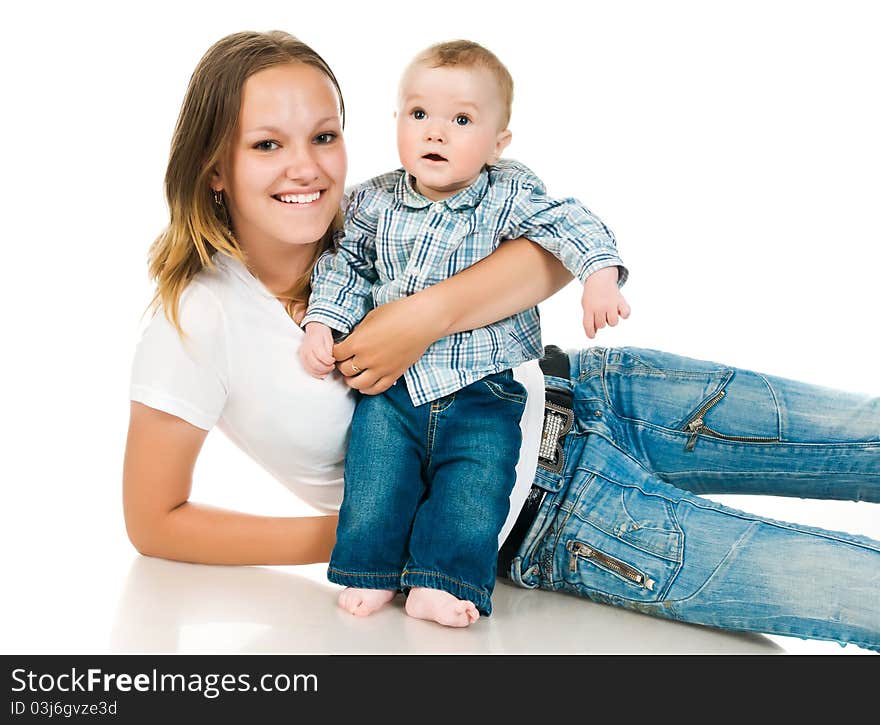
{"x":732,"y":148}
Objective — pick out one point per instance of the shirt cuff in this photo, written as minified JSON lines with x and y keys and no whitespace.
{"x":597,"y":263}
{"x":333,"y":318}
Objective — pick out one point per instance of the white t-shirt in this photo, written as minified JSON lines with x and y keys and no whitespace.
{"x":237,"y":368}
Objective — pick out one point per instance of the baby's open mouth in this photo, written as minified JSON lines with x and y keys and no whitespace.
{"x":434,"y":157}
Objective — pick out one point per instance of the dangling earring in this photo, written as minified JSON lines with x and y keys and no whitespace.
{"x":222,"y":211}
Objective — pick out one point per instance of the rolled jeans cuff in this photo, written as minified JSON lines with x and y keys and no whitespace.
{"x":480,"y":596}
{"x":364,"y":580}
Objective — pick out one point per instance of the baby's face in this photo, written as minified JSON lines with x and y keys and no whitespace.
{"x":448,"y":127}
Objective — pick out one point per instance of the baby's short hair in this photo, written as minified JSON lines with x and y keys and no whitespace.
{"x":472,"y":55}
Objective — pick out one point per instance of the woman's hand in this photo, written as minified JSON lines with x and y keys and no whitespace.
{"x":386,"y":342}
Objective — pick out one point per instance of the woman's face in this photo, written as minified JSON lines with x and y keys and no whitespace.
{"x":284,"y":175}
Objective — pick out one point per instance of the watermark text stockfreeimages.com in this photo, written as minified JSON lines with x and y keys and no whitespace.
{"x":211,"y":685}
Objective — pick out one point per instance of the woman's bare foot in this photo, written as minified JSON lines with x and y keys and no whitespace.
{"x":363,"y":602}
{"x":441,"y":607}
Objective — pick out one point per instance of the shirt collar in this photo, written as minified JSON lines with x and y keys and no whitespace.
{"x":467,"y":198}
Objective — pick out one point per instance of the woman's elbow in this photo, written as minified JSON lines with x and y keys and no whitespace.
{"x":147,"y":530}
{"x":140,"y":535}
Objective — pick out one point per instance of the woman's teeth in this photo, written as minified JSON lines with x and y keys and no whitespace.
{"x":298,"y":198}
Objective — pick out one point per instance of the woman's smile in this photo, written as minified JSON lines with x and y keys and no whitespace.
{"x":298,"y":199}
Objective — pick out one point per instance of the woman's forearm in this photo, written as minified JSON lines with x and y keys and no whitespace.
{"x":516,"y":276}
{"x":203,"y":534}
{"x":160,"y":456}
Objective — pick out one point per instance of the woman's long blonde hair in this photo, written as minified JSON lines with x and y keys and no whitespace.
{"x":199,"y":227}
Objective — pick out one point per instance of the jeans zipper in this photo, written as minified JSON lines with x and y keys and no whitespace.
{"x":697,"y":427}
{"x":579,"y":549}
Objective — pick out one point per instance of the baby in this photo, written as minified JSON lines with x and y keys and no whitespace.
{"x":431,"y":461}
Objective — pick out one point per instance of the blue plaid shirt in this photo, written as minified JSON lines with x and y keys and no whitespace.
{"x":396,"y":242}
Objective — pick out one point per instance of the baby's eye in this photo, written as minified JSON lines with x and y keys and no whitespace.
{"x":266,"y":145}
{"x":462,"y":120}
{"x":419,"y":114}
{"x":323,"y":139}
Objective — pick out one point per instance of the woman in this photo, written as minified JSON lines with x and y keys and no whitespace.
{"x":630,"y":436}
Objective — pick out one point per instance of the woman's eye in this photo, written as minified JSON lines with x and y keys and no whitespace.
{"x":462,"y":120}
{"x":419,"y":114}
{"x":266,"y":145}
{"x":325,"y":138}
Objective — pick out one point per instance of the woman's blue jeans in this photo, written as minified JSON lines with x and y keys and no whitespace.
{"x":622,"y":523}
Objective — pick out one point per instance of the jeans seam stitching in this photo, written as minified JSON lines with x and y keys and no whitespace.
{"x":736,"y":545}
{"x":628,"y":456}
{"x":345,"y":572}
{"x":501,"y":395}
{"x":679,"y":546}
{"x":685,"y":434}
{"x":544,"y":520}
{"x":655,"y":372}
{"x":433,"y":421}
{"x":776,"y":405}
{"x":437,"y":574}
{"x":788,"y":474}
{"x":568,"y":511}
{"x":603,"y":370}
{"x":755,"y":519}
{"x":669,"y":515}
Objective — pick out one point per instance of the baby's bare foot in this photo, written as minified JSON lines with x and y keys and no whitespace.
{"x":363,"y":602}
{"x":441,"y":607}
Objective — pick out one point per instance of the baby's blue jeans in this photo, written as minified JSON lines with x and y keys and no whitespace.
{"x":427,"y":489}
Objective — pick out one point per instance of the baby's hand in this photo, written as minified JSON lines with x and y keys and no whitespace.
{"x":316,"y":351}
{"x":602,"y":301}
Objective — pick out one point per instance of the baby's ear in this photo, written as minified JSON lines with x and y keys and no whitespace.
{"x":502,"y":141}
